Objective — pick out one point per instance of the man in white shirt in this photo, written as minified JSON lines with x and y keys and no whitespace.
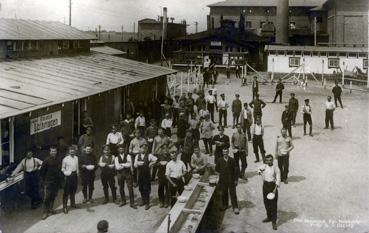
{"x":222,"y":107}
{"x":166,"y":124}
{"x":140,"y":123}
{"x":30,"y":167}
{"x":210,"y":103}
{"x":175,"y":172}
{"x":283,"y":148}
{"x":306,"y":115}
{"x":271,"y":180}
{"x":329,"y":109}
{"x":70,"y":170}
{"x":246,"y":120}
{"x":114,"y":139}
{"x":257,"y":131}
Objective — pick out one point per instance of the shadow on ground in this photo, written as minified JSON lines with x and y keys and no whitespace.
{"x":296,"y":178}
{"x":246,"y":204}
{"x":251,"y":174}
{"x":285,"y":216}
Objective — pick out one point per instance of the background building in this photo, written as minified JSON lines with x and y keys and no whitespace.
{"x":151,"y":29}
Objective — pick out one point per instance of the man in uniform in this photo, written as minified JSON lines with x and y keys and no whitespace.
{"x":293,"y":107}
{"x":282,"y":150}
{"x":87,"y":175}
{"x":287,"y":120}
{"x":337,"y":91}
{"x":255,"y":87}
{"x":257,"y":104}
{"x":279,"y":91}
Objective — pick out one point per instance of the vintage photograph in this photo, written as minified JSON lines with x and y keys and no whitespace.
{"x":184,"y":116}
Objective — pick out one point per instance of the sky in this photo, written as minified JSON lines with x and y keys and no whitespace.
{"x":110,"y":14}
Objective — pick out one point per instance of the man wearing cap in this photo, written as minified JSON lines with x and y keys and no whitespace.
{"x":107,"y":166}
{"x":293,"y":107}
{"x":210,"y":103}
{"x":70,"y":169}
{"x":228,"y":179}
{"x":236,"y":110}
{"x":175,"y":172}
{"x":306,"y":111}
{"x":143,"y":163}
{"x":271,"y":180}
{"x":246,"y":120}
{"x":255,"y":87}
{"x":240,"y":150}
{"x":279,"y":91}
{"x":113,"y":139}
{"x":123,"y":164}
{"x":329,"y":109}
{"x":257,"y":131}
{"x":337,"y":90}
{"x":287,"y":120}
{"x":87,"y":159}
{"x":257,"y":104}
{"x":283,"y":148}
{"x":221,"y":141}
{"x":222,"y":107}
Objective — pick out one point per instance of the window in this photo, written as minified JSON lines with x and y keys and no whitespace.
{"x":333,"y":62}
{"x":294,"y":62}
{"x":365,"y":63}
{"x":248,"y":24}
{"x":353,"y":55}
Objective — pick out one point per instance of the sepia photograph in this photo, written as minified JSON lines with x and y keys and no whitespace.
{"x":184,"y":116}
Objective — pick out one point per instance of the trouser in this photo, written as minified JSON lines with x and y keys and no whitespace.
{"x":238,"y":74}
{"x":113,"y":149}
{"x":231,"y":189}
{"x":32,"y":187}
{"x":87,"y":180}
{"x":338,"y":97}
{"x":133,"y":169}
{"x":307,"y":119}
{"x":175,"y":190}
{"x":144,"y":186}
{"x":246,"y":128}
{"x":329,"y":118}
{"x":283,"y":164}
{"x":218,"y":153}
{"x":258,"y":144}
{"x":196,"y":135}
{"x":163,"y":189}
{"x":254,"y":93}
{"x":211,"y":111}
{"x":107,"y":180}
{"x":293,"y":113}
{"x":223,"y":115}
{"x":186,"y":158}
{"x":288,"y":127}
{"x":241,"y":155}
{"x":208,"y":145}
{"x":51,"y":191}
{"x":236,"y":118}
{"x":258,"y":115}
{"x":126,"y":142}
{"x":278,"y":93}
{"x":125,"y":177}
{"x":70,"y":188}
{"x":270,"y":205}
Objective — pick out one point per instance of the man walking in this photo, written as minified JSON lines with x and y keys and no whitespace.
{"x":246,"y":120}
{"x":257,"y":139}
{"x":88,"y":167}
{"x":282,"y":150}
{"x":222,"y":107}
{"x":257,"y":104}
{"x":236,"y":110}
{"x":337,"y":91}
{"x":287,"y":120}
{"x":228,"y":179}
{"x":255,"y":87}
{"x":70,"y":169}
{"x":271,"y":180}
{"x":240,"y":150}
{"x":306,"y":111}
{"x":279,"y":91}
{"x":329,"y":109}
{"x":293,"y":107}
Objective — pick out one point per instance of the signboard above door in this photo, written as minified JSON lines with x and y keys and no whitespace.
{"x":45,"y":122}
{"x":216,"y":43}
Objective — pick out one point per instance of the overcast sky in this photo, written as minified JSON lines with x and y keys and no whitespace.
{"x":110,"y":14}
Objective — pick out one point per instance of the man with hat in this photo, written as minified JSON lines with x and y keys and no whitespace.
{"x":210,"y":103}
{"x":236,"y":110}
{"x":306,"y":111}
{"x":87,"y":159}
{"x":337,"y":90}
{"x":221,"y":141}
{"x":279,"y":91}
{"x":222,"y":107}
{"x":329,"y":109}
{"x":255,"y":87}
{"x":257,"y":104}
{"x":271,"y":180}
{"x":293,"y":107}
{"x":143,"y":163}
{"x":287,"y":120}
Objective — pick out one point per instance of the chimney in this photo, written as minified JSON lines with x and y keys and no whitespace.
{"x":165,"y":23}
{"x":283,"y":25}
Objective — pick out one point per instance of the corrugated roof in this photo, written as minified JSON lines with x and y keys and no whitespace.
{"x":265,"y":3}
{"x":20,"y":29}
{"x":107,"y":50}
{"x":28,"y":85}
{"x":315,"y":49}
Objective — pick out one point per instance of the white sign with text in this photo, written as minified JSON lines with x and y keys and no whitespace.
{"x":45,"y":122}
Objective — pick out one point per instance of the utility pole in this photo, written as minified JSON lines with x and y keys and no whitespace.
{"x":70,"y":12}
{"x":196,"y":25}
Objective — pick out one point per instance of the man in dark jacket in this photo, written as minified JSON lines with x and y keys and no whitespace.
{"x":293,"y":107}
{"x":287,"y":120}
{"x":279,"y":91}
{"x":255,"y":87}
{"x":257,"y":104}
{"x":88,"y":166}
{"x":337,"y":90}
{"x":221,"y":142}
{"x":236,"y":110}
{"x":228,"y":179}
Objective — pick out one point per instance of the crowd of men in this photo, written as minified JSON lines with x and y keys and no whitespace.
{"x":138,"y":151}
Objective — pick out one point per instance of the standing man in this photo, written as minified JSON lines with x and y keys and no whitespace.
{"x":150,"y":133}
{"x":282,"y":150}
{"x":257,"y":104}
{"x":157,"y":147}
{"x":222,"y":107}
{"x":190,"y":102}
{"x":210,"y":103}
{"x":206,"y":131}
{"x":163,"y":186}
{"x":221,"y":142}
{"x":228,"y":179}
{"x":86,"y":139}
{"x":30,"y":167}
{"x":107,"y":166}
{"x":200,"y":102}
{"x":287,"y":120}
{"x":167,"y":123}
{"x":329,"y":109}
{"x":236,"y":110}
{"x":50,"y":173}
{"x":198,"y":161}
{"x":279,"y":91}
{"x":114,"y":139}
{"x":240,"y":150}
{"x":175,"y":172}
{"x":140,"y":122}
{"x":255,"y":87}
{"x":127,"y":129}
{"x":181,"y":128}
{"x":123,"y":165}
{"x":70,"y":169}
{"x":134,"y":150}
{"x":257,"y":139}
{"x":271,"y":180}
{"x":306,"y":111}
{"x":238,"y":71}
{"x":293,"y":108}
{"x":337,"y":91}
{"x":88,"y":166}
{"x":246,"y":120}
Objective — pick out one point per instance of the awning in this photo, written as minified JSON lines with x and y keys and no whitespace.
{"x":30,"y":84}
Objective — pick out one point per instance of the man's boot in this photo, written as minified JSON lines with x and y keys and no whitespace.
{"x":106,"y":195}
{"x":311,"y":131}
{"x":90,"y":193}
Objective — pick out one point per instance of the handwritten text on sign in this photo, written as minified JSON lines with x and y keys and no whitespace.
{"x":45,"y":122}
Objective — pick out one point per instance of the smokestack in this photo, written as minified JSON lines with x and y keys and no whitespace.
{"x":283,"y":24}
{"x":165,"y":23}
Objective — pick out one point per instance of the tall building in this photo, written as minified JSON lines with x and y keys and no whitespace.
{"x":151,"y":29}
